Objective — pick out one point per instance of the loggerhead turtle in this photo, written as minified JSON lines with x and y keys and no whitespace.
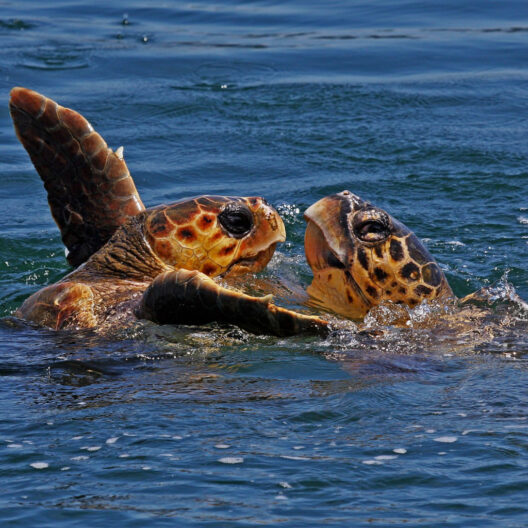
{"x":134,"y":262}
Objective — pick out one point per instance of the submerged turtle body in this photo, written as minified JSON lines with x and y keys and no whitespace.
{"x":136,"y":262}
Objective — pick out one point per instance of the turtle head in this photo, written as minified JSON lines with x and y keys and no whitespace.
{"x":215,"y":234}
{"x":361,"y":256}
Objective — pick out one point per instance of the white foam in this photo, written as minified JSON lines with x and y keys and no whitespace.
{"x":385,"y":457}
{"x":285,"y":485}
{"x":15,"y":446}
{"x":231,"y":460}
{"x":80,"y":457}
{"x":372,"y":462}
{"x":39,"y":465}
{"x":291,"y":457}
{"x":222,"y":446}
{"x":124,"y":455}
{"x":446,"y":439}
{"x":112,"y":440}
{"x":78,"y":437}
{"x":65,"y":468}
{"x":91,"y":448}
{"x":400,"y":450}
{"x":146,"y":468}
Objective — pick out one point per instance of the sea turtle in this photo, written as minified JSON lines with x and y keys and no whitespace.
{"x":134,"y":262}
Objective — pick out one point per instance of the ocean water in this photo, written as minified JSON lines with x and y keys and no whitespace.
{"x":418,"y":107}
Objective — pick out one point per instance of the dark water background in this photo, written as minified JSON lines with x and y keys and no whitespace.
{"x":419,"y":107}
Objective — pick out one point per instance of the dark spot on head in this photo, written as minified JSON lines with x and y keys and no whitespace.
{"x":402,"y":290}
{"x":432,"y":274}
{"x":416,"y":250}
{"x":253,"y":201}
{"x":362,"y":258}
{"x":394,"y":284}
{"x":379,"y":252}
{"x":410,"y":271}
{"x":182,"y":212}
{"x":350,"y":299}
{"x":227,"y":250}
{"x":388,"y":292}
{"x":209,"y":269}
{"x":422,"y":290}
{"x":329,"y":277}
{"x":158,"y":224}
{"x":205,"y":221}
{"x":413,"y":302}
{"x":396,"y":250}
{"x":380,"y":274}
{"x":372,"y":291}
{"x":187,"y":233}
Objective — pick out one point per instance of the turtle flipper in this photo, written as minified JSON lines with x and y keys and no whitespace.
{"x":61,"y":305}
{"x":90,"y":190}
{"x":191,"y":297}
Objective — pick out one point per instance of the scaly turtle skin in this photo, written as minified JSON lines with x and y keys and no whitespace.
{"x":137,"y":262}
{"x":361,"y":257}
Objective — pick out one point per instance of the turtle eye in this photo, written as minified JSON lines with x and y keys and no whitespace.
{"x":372,"y":231}
{"x":236,"y":219}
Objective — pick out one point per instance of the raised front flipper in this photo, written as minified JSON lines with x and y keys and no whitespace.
{"x":61,"y":305}
{"x":190,"y":297}
{"x":90,"y":190}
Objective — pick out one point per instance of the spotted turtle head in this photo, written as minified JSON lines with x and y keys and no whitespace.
{"x":361,"y":256}
{"x":215,"y":234}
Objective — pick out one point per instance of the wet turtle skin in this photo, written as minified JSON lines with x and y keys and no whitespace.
{"x":122,"y":248}
{"x":362,"y":257}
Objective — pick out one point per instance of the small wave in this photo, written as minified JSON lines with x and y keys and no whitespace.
{"x":61,"y":58}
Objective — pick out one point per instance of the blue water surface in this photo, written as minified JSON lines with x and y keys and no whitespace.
{"x":418,"y":107}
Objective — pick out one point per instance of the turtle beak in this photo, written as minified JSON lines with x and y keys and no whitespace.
{"x":331,"y":216}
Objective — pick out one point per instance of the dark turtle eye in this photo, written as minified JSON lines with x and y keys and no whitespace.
{"x":372,"y":231}
{"x":371,"y":225}
{"x":236,"y":219}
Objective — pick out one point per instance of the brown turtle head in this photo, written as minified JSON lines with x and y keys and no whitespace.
{"x":215,"y":234}
{"x":361,"y":256}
